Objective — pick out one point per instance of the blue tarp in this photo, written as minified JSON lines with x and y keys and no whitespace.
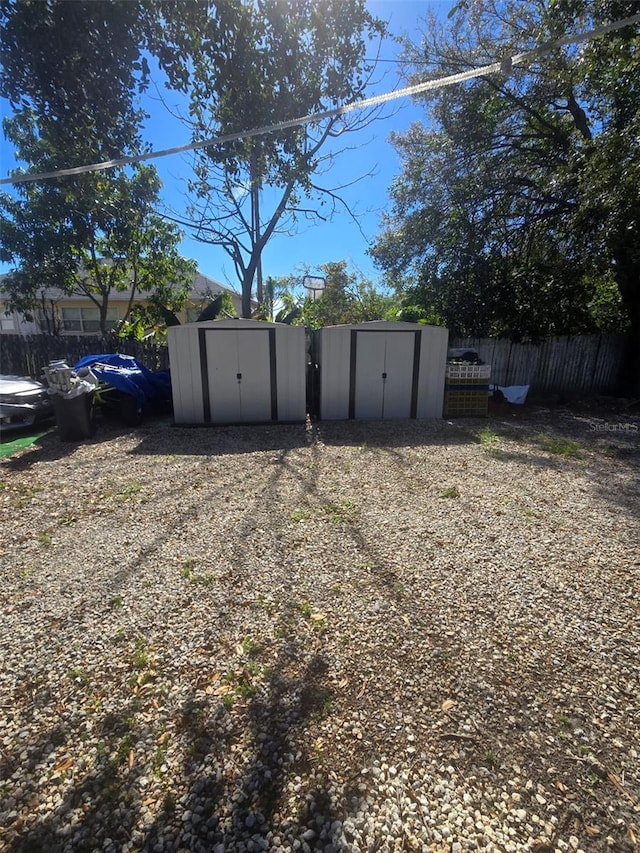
{"x":126,"y":374}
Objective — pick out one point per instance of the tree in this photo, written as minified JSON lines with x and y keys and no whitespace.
{"x":346,"y":298}
{"x":254,"y":63}
{"x":520,"y":203}
{"x":58,"y":237}
{"x":71,"y":72}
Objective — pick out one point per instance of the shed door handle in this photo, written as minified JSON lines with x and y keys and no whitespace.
{"x":238,"y":376}
{"x":384,"y":375}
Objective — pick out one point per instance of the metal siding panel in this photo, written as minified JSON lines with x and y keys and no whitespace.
{"x":433,"y":361}
{"x":186,"y":387}
{"x":222,"y":358}
{"x":195,"y":404}
{"x":367,"y":383}
{"x":398,"y":365}
{"x":255,"y":386}
{"x":291,"y":367}
{"x":334,"y":355}
{"x":238,"y":367}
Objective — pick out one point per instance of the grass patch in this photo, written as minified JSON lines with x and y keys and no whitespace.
{"x":487,"y":438}
{"x":559,"y":446}
{"x":80,"y":676}
{"x":130,"y":490}
{"x":451,"y":492}
{"x":140,"y":659}
{"x":300,"y":515}
{"x":342,"y":512}
{"x":490,"y":759}
{"x":250,"y":647}
{"x":208,"y":579}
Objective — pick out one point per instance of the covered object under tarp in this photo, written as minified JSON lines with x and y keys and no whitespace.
{"x":127,"y":375}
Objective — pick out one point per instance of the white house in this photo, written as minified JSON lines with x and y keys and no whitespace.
{"x":76,"y":314}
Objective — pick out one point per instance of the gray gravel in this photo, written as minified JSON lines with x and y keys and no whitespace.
{"x":358,"y":637}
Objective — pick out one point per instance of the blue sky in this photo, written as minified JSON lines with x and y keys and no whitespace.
{"x":315,"y":244}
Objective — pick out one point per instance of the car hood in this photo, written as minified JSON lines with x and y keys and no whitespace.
{"x":19,"y":385}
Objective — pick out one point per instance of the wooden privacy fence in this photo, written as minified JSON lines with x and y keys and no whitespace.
{"x":26,"y":356}
{"x":585,"y":364}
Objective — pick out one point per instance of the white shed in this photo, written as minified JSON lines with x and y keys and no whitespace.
{"x":237,"y":371}
{"x":381,"y":370}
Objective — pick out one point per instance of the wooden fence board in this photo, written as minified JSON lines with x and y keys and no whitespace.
{"x":584,"y":364}
{"x":28,"y":355}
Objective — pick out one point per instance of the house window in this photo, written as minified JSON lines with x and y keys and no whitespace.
{"x":87,"y":319}
{"x":45,"y":320}
{"x":7,"y":324}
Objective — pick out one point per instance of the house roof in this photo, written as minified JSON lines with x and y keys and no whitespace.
{"x":203,"y":287}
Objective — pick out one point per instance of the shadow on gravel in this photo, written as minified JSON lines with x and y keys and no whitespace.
{"x":222,"y":440}
{"x":391,"y":434}
{"x":603,"y":447}
{"x":238,"y":768}
{"x":104,"y":804}
{"x":223,"y":793}
{"x":167,"y":439}
{"x":47,"y":448}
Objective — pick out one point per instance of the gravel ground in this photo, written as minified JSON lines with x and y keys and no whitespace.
{"x":410,"y":636}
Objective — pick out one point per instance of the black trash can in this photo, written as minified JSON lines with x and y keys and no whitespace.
{"x":74,"y":416}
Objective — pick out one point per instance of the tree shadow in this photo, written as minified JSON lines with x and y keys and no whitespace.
{"x":243,"y":738}
{"x":392,"y":434}
{"x":104,"y":803}
{"x":601,"y":446}
{"x":47,"y":448}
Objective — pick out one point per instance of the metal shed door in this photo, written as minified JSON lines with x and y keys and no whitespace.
{"x":383,"y":374}
{"x":238,"y":375}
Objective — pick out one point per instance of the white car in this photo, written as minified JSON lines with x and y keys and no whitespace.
{"x":23,"y":402}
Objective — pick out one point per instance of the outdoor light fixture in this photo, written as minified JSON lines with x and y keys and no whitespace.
{"x":313,"y":286}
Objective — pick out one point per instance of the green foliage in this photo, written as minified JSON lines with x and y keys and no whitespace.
{"x":277,"y":294}
{"x":517,"y":205}
{"x":94,"y":236}
{"x":342,"y":512}
{"x":252,"y":63}
{"x":450,"y":492}
{"x":347,"y":298}
{"x":77,"y":61}
{"x":561,"y":446}
{"x":217,"y":308}
{"x":72,"y":72}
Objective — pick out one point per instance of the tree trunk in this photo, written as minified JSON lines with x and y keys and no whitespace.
{"x":247,"y":285}
{"x":255,"y":220}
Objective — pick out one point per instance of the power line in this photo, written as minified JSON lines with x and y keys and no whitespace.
{"x":503,"y":66}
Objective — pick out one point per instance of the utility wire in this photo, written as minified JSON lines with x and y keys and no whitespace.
{"x":504,"y":66}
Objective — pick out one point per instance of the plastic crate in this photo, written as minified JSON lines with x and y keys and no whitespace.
{"x":463,"y":383}
{"x":466,"y":404}
{"x":468,"y":372}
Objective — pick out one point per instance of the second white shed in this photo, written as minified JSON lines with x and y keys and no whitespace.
{"x":381,"y":370}
{"x":237,"y":371}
